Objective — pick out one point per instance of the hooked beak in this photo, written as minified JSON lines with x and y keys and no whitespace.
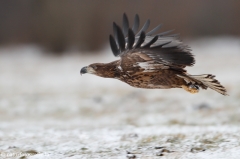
{"x":83,"y":70}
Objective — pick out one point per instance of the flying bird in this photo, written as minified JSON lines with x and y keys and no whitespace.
{"x":151,"y":61}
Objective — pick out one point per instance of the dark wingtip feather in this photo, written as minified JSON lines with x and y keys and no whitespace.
{"x":136,"y":24}
{"x":125,"y":24}
{"x":120,"y":38}
{"x":166,"y":32}
{"x":160,"y":45}
{"x":144,"y":28}
{"x":140,"y":40}
{"x":115,"y":30}
{"x":151,"y":42}
{"x":154,"y":30}
{"x":113,"y":45}
{"x":131,"y":38}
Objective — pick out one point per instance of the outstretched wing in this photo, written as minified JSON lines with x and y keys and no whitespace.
{"x":160,"y":51}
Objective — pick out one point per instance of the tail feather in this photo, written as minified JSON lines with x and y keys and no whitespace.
{"x":205,"y":81}
{"x":209,"y":81}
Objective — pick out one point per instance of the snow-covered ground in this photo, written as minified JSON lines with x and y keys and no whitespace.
{"x":47,"y":110}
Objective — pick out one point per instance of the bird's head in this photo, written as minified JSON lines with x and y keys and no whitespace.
{"x":100,"y":69}
{"x":92,"y":69}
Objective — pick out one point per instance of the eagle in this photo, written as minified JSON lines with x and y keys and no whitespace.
{"x":151,"y":61}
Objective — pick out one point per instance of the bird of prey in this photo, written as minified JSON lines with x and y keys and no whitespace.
{"x":151,"y":61}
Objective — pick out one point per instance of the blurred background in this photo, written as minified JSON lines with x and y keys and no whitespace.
{"x":84,"y":25}
{"x":46,"y":107}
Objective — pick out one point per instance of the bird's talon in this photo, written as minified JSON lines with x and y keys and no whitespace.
{"x":191,"y":88}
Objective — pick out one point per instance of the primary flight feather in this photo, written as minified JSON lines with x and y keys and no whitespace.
{"x":149,"y":60}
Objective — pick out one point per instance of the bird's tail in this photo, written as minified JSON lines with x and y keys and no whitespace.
{"x":205,"y":81}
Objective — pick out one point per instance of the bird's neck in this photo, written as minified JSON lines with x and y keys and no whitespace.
{"x":110,"y":70}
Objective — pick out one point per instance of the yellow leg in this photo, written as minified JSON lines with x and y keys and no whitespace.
{"x":190,"y":89}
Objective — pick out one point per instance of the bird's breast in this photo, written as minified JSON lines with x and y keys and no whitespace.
{"x":142,"y":80}
{"x":152,"y":80}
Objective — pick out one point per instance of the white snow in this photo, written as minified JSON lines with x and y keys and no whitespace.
{"x":47,"y":108}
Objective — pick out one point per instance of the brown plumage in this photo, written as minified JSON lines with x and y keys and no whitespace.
{"x":151,"y":61}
